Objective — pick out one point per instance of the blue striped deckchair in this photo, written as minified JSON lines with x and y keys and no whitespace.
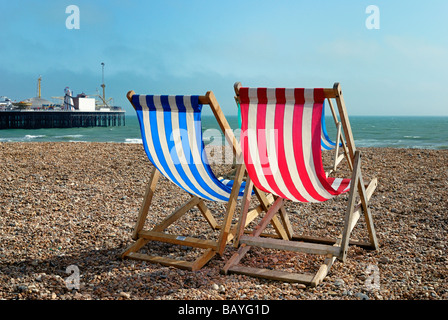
{"x":171,"y":133}
{"x":327,"y":144}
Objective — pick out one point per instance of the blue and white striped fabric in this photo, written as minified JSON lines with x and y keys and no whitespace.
{"x":172,"y":138}
{"x":325,"y":141}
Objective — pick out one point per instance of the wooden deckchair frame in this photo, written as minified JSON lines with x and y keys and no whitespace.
{"x":226,"y":233}
{"x":332,"y":249}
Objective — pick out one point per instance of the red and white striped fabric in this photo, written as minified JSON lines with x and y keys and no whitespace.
{"x":281,"y":143}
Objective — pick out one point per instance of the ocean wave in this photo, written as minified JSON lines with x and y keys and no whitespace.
{"x":70,"y":136}
{"x":29,"y":136}
{"x":133,"y":140}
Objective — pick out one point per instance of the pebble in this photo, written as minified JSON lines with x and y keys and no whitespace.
{"x":339,"y":282}
{"x":362,"y":296}
{"x":125,"y":295}
{"x":98,"y":201}
{"x":384,"y":260}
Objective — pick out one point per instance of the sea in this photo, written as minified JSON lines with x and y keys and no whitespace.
{"x":426,"y":132}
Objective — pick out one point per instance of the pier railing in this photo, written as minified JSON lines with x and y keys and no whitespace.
{"x":60,"y":119}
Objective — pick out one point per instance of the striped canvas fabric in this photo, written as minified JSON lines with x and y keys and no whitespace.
{"x":281,"y":143}
{"x":326,"y":143}
{"x":172,"y":138}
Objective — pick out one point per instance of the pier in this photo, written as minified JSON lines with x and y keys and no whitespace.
{"x":34,"y":119}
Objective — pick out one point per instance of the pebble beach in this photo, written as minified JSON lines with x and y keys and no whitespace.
{"x":69,"y":208}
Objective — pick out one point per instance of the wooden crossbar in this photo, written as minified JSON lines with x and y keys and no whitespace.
{"x":279,"y":244}
{"x":273,"y":274}
{"x":178,"y":263}
{"x":179,"y":240}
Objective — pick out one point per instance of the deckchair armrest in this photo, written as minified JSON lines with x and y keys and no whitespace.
{"x":129,"y":96}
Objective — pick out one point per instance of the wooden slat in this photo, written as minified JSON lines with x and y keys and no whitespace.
{"x":329,"y":241}
{"x":179,"y":240}
{"x":312,"y":239}
{"x":280,"y":244}
{"x":273,"y":274}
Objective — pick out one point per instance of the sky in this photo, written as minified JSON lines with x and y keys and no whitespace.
{"x":390,"y":61}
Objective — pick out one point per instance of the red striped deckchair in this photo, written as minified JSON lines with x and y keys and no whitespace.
{"x":281,"y":147}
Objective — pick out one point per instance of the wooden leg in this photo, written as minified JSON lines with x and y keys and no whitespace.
{"x":244,"y":210}
{"x":231,"y":205}
{"x":279,"y":228}
{"x":350,"y":207}
{"x":207,"y":214}
{"x":285,"y":220}
{"x":268,"y":217}
{"x":367,"y":214}
{"x":150,"y":189}
{"x":358,"y":187}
